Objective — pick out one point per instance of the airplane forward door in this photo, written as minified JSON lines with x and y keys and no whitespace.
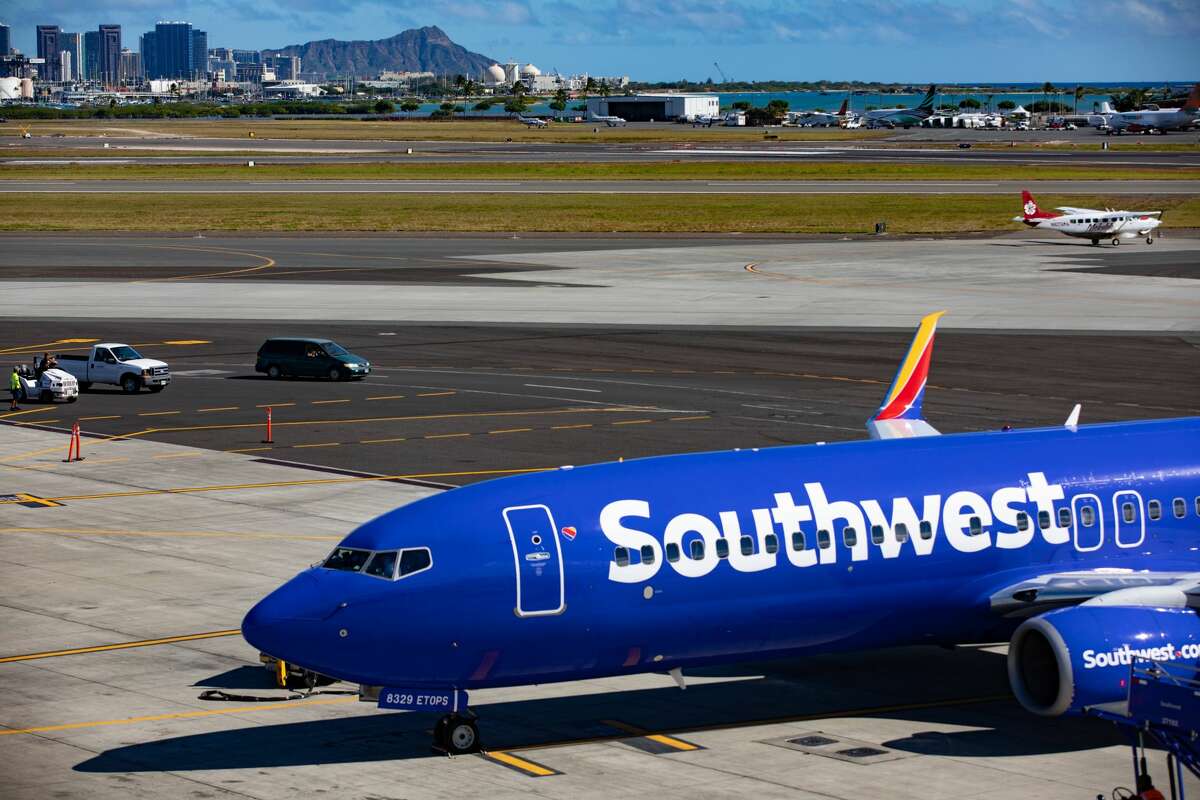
{"x":537,"y":557}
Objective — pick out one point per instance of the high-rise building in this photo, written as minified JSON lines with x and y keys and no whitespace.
{"x":91,"y":55}
{"x":199,"y":54}
{"x":286,"y":67}
{"x":221,"y":64}
{"x":5,"y":39}
{"x":73,"y":43}
{"x":131,"y":67}
{"x":168,"y":51}
{"x":108,"y":59}
{"x":247,"y":56}
{"x":48,"y":49}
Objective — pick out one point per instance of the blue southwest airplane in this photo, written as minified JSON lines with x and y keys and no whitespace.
{"x":1080,"y":543}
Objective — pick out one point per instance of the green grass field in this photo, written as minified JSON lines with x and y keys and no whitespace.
{"x":663,"y":170}
{"x":919,"y":214}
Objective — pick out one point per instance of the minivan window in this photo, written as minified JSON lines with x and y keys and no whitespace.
{"x":334,"y":349}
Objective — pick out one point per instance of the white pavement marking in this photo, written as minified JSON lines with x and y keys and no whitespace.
{"x":561,"y":388}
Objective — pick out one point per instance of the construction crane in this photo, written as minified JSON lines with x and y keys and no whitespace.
{"x":724,"y":77}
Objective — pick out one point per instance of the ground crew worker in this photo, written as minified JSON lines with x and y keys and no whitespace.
{"x":14,"y":386}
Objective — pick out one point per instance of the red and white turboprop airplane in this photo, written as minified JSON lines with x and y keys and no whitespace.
{"x":1090,"y":223}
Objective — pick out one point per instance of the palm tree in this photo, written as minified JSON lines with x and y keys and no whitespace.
{"x":1078,"y":97}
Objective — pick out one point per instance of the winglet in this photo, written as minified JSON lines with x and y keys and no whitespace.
{"x":903,"y":400}
{"x":1072,"y":423}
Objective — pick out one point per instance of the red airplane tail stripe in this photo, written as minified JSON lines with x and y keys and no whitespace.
{"x":1193,"y":101}
{"x":1029,"y":207}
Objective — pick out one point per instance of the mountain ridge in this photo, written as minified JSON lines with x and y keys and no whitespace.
{"x":427,"y":49}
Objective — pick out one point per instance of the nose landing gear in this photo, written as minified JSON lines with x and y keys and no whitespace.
{"x":1116,"y":242}
{"x":456,"y":735}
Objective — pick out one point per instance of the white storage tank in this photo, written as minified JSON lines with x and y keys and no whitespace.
{"x":10,"y":88}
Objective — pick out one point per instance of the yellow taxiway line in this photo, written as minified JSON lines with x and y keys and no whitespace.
{"x":101,"y":648}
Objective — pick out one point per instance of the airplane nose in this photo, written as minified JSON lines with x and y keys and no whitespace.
{"x":275,"y":623}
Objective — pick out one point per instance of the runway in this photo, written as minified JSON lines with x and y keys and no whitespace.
{"x":1022,"y":281}
{"x":912,"y":147}
{"x":645,"y":187}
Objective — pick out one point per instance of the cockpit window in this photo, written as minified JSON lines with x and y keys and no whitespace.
{"x":345,"y":559}
{"x":415,"y":560}
{"x":383,"y":565}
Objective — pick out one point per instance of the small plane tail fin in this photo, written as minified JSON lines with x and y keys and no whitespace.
{"x":1029,"y":207}
{"x":845,"y":105}
{"x":900,"y":414}
{"x":1106,"y":108}
{"x":1193,"y":101}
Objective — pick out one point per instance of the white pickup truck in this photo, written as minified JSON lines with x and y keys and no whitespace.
{"x":119,"y":365}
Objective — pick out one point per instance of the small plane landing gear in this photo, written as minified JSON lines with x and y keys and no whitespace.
{"x":1095,"y":242}
{"x":1149,"y":240}
{"x":456,"y":735}
{"x":1116,"y":242}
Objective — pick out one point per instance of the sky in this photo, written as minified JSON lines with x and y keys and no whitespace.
{"x":905,"y":41}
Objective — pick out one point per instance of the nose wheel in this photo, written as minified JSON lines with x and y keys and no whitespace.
{"x":1116,"y":242}
{"x":456,"y":735}
{"x":1149,"y":240}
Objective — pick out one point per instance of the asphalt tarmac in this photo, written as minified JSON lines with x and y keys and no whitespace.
{"x":458,"y":403}
{"x":344,"y":186}
{"x":1026,"y":280}
{"x":903,"y":146}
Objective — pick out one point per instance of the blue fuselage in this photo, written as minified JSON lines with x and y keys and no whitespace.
{"x":697,"y":559}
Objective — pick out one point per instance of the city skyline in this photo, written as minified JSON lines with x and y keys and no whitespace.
{"x":751,"y":39}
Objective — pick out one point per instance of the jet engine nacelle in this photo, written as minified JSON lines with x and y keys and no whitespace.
{"x":1065,"y":660}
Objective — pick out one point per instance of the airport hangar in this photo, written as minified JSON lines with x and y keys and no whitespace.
{"x":655,"y":107}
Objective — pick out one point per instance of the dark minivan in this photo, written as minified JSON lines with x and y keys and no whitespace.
{"x":309,"y":358}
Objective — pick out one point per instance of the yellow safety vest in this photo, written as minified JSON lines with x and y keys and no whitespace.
{"x":13,"y":381}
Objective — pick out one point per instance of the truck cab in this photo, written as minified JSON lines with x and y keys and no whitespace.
{"x":119,"y":365}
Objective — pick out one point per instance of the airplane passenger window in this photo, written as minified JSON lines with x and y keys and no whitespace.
{"x":697,"y":549}
{"x":772,"y":543}
{"x":1198,"y":506}
{"x":1127,"y":512}
{"x":926,"y":530}
{"x":797,"y":541}
{"x":1043,"y":519}
{"x":647,"y":554}
{"x":416,"y":560}
{"x":621,"y":556}
{"x":901,"y":532}
{"x":722,"y":548}
{"x":1022,"y":521}
{"x":1087,"y":516}
{"x":823,"y":540}
{"x":383,"y":565}
{"x":877,"y":534}
{"x":1180,"y":508}
{"x":672,"y":552}
{"x":1154,"y":510}
{"x":1064,"y":518}
{"x":747,"y":545}
{"x":975,"y":526}
{"x":849,"y":536}
{"x":345,"y":559}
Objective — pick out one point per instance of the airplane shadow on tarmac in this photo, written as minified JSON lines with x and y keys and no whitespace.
{"x":798,"y":693}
